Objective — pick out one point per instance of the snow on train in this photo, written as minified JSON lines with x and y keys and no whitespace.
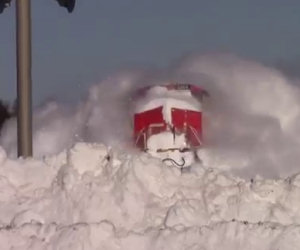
{"x":168,"y":122}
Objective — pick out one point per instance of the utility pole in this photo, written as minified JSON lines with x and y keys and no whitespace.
{"x":24,"y":103}
{"x":23,"y":43}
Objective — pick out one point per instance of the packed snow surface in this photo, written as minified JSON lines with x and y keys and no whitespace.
{"x":87,"y":188}
{"x":91,"y":197}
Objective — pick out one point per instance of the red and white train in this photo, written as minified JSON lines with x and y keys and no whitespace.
{"x":168,"y":122}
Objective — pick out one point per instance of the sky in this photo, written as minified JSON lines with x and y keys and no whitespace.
{"x":73,"y":51}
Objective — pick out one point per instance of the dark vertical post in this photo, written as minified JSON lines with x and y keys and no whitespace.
{"x":23,"y":22}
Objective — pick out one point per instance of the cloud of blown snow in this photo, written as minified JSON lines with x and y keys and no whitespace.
{"x":102,"y":117}
{"x":251,"y":119}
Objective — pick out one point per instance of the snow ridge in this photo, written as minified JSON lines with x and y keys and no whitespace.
{"x":93,"y":197}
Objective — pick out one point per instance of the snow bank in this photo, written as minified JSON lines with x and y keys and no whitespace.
{"x":91,"y":197}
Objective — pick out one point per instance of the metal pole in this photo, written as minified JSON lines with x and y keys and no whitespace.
{"x":23,"y":22}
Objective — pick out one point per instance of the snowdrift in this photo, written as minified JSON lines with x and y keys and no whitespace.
{"x":92,"y":197}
